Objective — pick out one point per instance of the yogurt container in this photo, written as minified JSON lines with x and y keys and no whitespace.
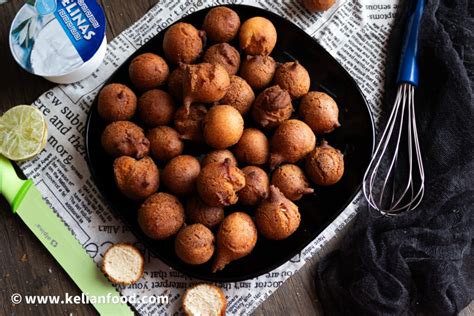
{"x":61,"y":40}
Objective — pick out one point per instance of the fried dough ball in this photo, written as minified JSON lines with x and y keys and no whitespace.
{"x":194,"y":244}
{"x":199,"y":212}
{"x":219,"y":182}
{"x":277,"y":217}
{"x":224,"y":55}
{"x":204,"y":83}
{"x":320,"y":112}
{"x":156,"y":107}
{"x":204,"y":300}
{"x":256,"y":186}
{"x":223,"y":126}
{"x":221,"y":24}
{"x":136,"y":179}
{"x":325,"y":165}
{"x":292,"y":141}
{"x":291,"y":181}
{"x":148,"y":71}
{"x":258,"y":71}
{"x":294,"y":78}
{"x":240,"y":95}
{"x":180,"y":174}
{"x":116,"y":103}
{"x":165,"y":143}
{"x":161,"y":216}
{"x":123,"y":264}
{"x":124,"y":138}
{"x":175,"y":82}
{"x":253,"y":147}
{"x":257,"y":36}
{"x":272,"y":107}
{"x":219,"y":155}
{"x":318,"y":5}
{"x":183,"y":43}
{"x":236,"y":238}
{"x":189,"y":123}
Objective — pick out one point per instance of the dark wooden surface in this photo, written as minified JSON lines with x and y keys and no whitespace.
{"x":25,"y":266}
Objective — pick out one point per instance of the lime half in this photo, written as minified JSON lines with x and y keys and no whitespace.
{"x":23,"y":132}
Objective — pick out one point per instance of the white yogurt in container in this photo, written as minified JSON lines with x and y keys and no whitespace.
{"x":61,"y":40}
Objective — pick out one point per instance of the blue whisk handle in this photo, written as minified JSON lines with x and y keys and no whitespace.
{"x":408,"y":71}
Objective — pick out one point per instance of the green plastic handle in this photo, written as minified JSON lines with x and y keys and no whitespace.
{"x":11,"y":186}
{"x":24,"y":197}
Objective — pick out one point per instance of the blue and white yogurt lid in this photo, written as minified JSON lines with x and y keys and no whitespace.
{"x":61,"y":40}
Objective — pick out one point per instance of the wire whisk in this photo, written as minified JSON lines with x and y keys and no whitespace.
{"x":394,"y":180}
{"x":403,"y":113}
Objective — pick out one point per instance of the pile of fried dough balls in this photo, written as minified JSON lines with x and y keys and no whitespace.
{"x":237,"y":104}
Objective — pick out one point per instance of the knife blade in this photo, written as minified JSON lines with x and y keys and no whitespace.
{"x":26,"y":201}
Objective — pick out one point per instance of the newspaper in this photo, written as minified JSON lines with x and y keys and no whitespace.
{"x":355,"y":32}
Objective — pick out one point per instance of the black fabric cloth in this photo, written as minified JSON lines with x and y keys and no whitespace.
{"x":419,"y":261}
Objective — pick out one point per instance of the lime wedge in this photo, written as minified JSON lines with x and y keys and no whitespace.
{"x":23,"y":132}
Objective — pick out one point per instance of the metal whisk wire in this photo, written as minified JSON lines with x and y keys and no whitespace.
{"x":384,"y":171}
{"x":404,"y":109}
